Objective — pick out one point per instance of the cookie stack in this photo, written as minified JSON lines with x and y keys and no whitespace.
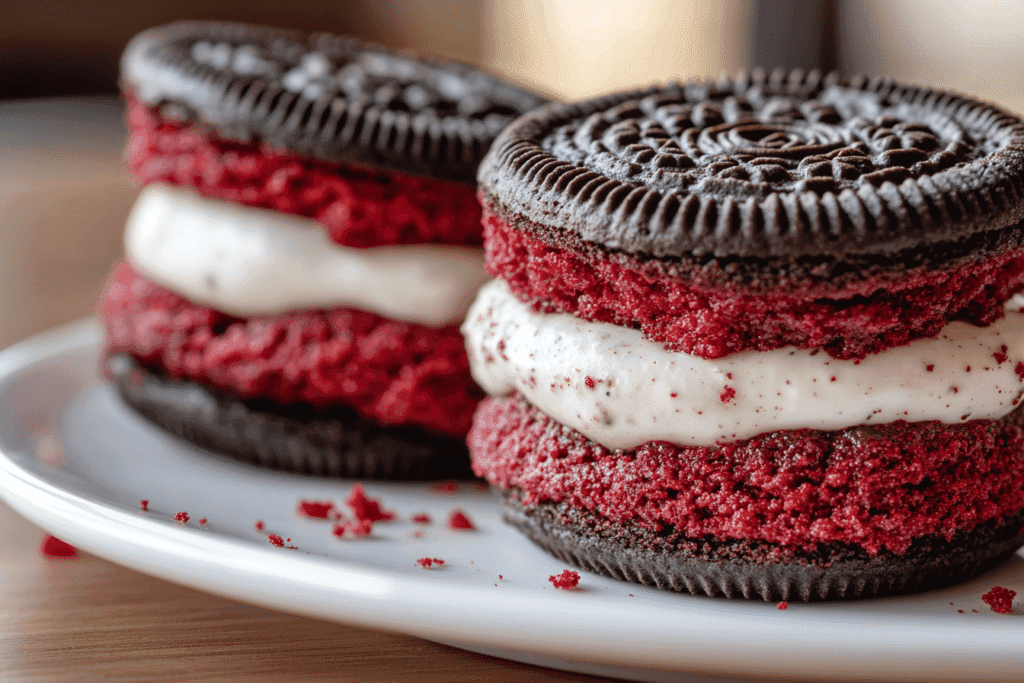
{"x":757,"y":336}
{"x":304,"y":248}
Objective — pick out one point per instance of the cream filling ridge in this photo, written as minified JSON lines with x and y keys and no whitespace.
{"x":247,"y":262}
{"x":621,"y":390}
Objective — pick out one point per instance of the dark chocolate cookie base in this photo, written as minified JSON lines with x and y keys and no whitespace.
{"x":752,"y":570}
{"x":334,"y":442}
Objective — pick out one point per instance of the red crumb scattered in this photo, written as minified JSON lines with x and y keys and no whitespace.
{"x":54,"y":547}
{"x":459,"y":520}
{"x":259,"y":525}
{"x":446,"y":486}
{"x":144,"y":505}
{"x":782,"y":605}
{"x":1019,"y":369}
{"x":353,"y":528}
{"x":567,"y":579}
{"x":960,"y":611}
{"x":727,"y":394}
{"x":1000,"y":599}
{"x":316,"y":509}
{"x":1000,"y":355}
{"x":500,"y":577}
{"x":956,"y":390}
{"x":202,"y":520}
{"x":421,"y":518}
{"x":930,"y":368}
{"x":276,"y":540}
{"x":182,"y":517}
{"x":589,"y":381}
{"x":428,"y":562}
{"x":367,"y":509}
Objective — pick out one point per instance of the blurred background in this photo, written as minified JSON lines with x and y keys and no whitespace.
{"x":569,"y":48}
{"x":64,"y":194}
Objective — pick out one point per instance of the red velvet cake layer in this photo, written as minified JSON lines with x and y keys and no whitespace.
{"x":864,"y":317}
{"x":360,"y":207}
{"x":874,"y":487}
{"x":394,"y":372}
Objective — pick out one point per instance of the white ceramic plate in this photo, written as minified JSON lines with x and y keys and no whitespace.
{"x":77,"y":462}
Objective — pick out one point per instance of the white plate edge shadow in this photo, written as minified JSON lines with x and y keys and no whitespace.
{"x":700,"y":638}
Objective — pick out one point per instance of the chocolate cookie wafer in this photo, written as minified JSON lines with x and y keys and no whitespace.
{"x":332,"y":442}
{"x":307,"y":239}
{"x":775,"y":312}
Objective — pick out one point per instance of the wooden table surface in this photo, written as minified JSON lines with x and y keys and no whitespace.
{"x":63,"y":199}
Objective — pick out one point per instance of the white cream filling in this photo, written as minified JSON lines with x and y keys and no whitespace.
{"x":621,"y":390}
{"x":247,"y":262}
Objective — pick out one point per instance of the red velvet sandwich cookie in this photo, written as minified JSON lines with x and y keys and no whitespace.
{"x":304,"y":248}
{"x":757,"y":337}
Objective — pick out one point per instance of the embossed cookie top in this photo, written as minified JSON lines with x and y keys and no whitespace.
{"x":787,"y":165}
{"x":331,"y":97}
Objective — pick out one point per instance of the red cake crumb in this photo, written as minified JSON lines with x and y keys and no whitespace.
{"x":315,"y":509}
{"x":367,"y":508}
{"x":782,"y":605}
{"x":1000,"y":355}
{"x":567,"y":579}
{"x":202,"y":520}
{"x":394,"y":372}
{"x":276,"y":540}
{"x":355,"y":528}
{"x":144,"y":505}
{"x":727,"y":394}
{"x":876,"y":487}
{"x":1019,"y":369}
{"x":359,"y":207}
{"x":182,"y":517}
{"x":421,"y":518}
{"x":259,"y":525}
{"x":445,"y":486}
{"x":459,"y":520}
{"x":427,"y":562}
{"x":1000,"y":599}
{"x":701,"y":313}
{"x":54,"y":547}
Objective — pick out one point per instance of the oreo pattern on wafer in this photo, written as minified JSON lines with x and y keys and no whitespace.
{"x":330,"y":97}
{"x":706,"y":567}
{"x":788,"y":165}
{"x":333,"y":442}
